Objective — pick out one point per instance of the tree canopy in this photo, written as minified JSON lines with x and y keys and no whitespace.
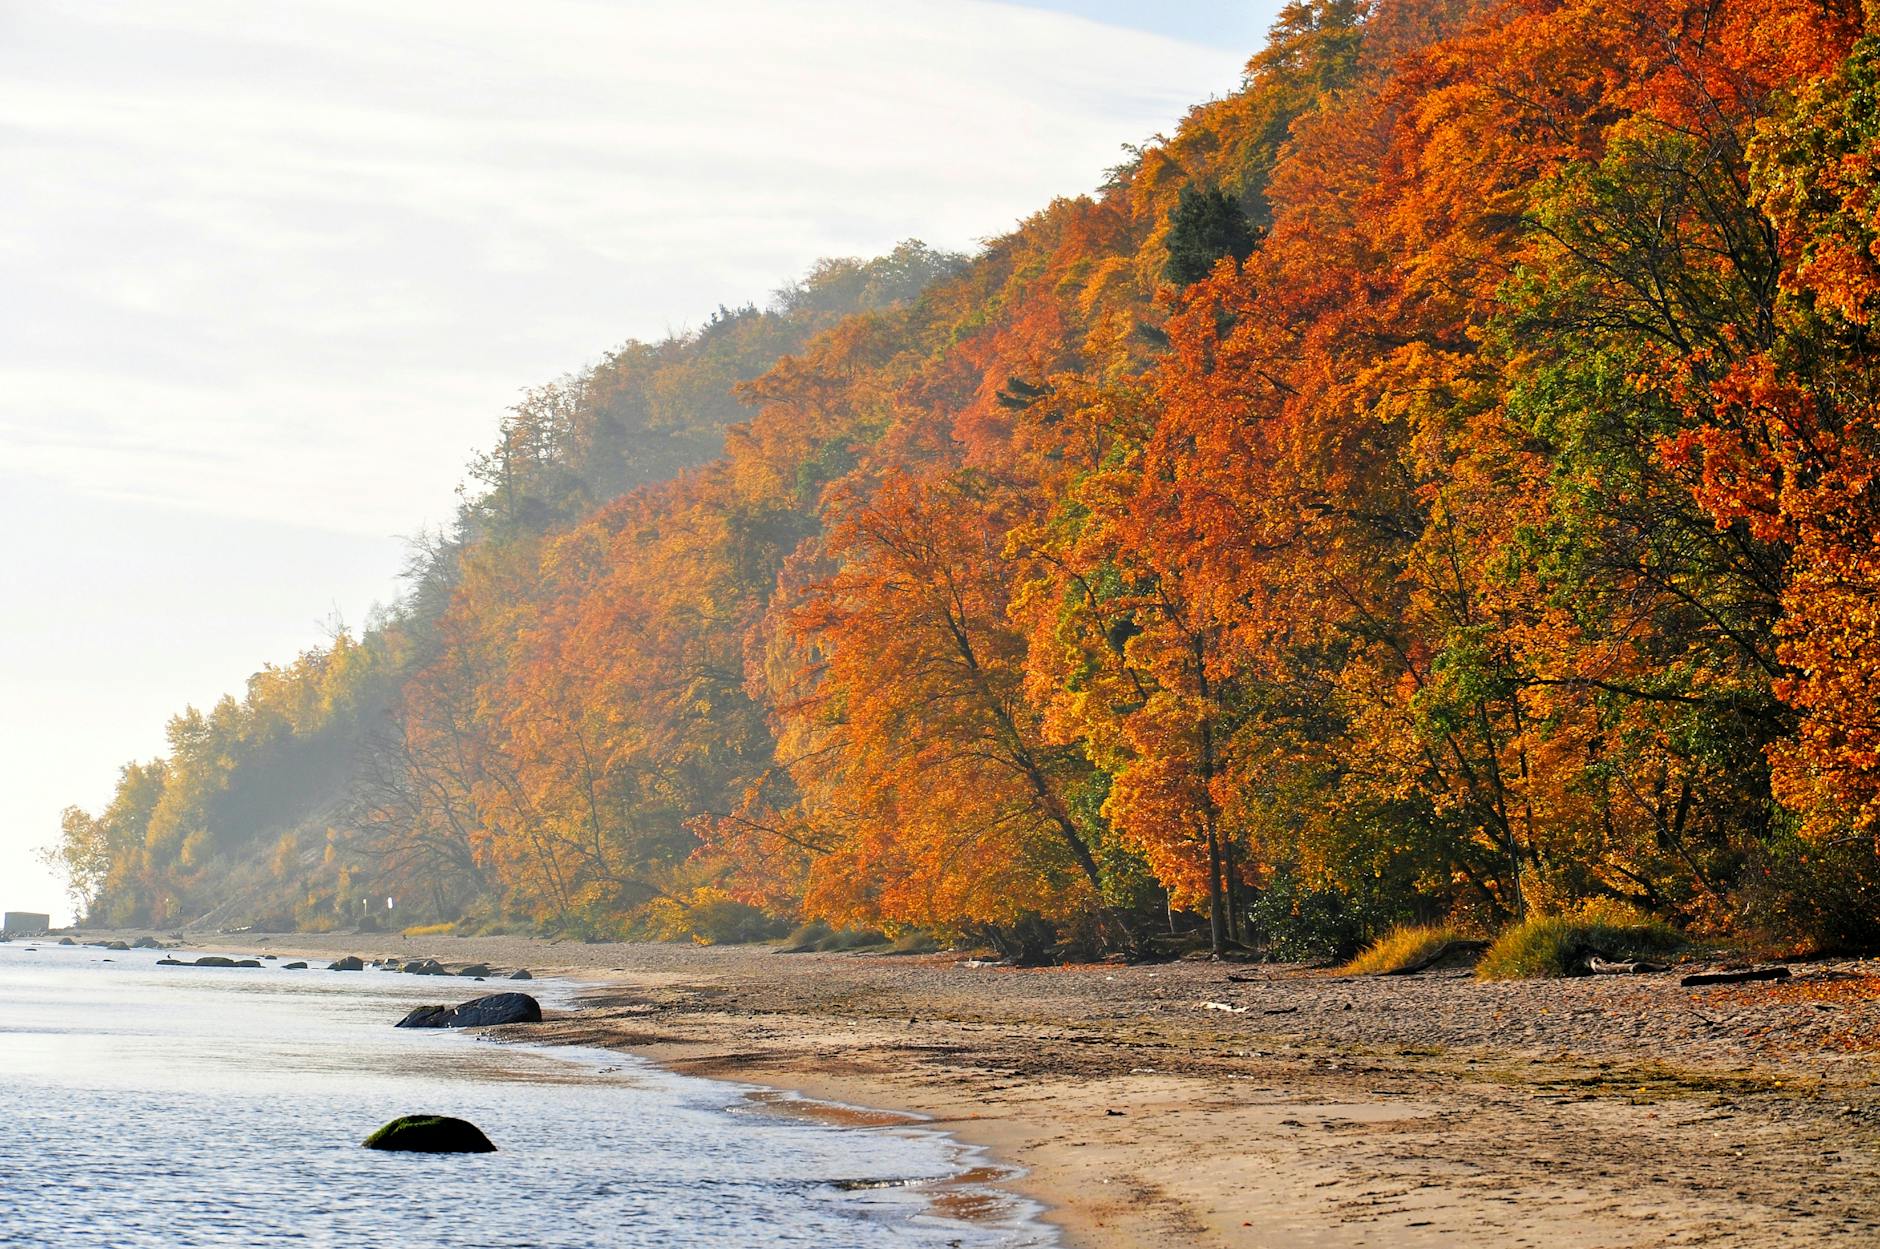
{"x":1496,"y":532}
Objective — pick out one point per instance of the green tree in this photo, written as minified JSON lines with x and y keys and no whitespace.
{"x":1207,"y":224}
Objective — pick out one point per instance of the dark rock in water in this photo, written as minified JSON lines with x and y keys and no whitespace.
{"x":293,"y":967}
{"x":475,"y":969}
{"x":351,"y":962}
{"x":428,"y":967}
{"x":269,"y":958}
{"x":431,"y":1134}
{"x":477,"y":1013}
{"x":171,"y":962}
{"x":146,"y":943}
{"x":497,"y":1008}
{"x":216,"y":960}
{"x":522,"y":975}
{"x":67,"y":941}
{"x":115,"y":945}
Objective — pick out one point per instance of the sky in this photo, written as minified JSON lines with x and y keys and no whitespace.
{"x":271,"y":271}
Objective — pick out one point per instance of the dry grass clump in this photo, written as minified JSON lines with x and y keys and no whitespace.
{"x":1546,"y":946}
{"x":431,"y":930}
{"x":819,"y":937}
{"x":1403,"y":947}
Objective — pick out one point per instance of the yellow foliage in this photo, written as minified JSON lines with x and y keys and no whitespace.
{"x":1403,"y":946}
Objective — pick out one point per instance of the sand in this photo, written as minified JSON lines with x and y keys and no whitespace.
{"x":1219,"y":1105}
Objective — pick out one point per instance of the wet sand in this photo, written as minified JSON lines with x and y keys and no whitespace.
{"x":1220,"y":1105}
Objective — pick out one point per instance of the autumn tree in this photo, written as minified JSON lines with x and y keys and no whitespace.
{"x":937,"y":795}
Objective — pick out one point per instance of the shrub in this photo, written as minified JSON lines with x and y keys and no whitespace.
{"x":593,"y":923}
{"x":820,"y":938}
{"x":844,"y":939}
{"x":1029,"y":941}
{"x":1294,"y":919}
{"x":915,"y":941}
{"x":716,"y":918}
{"x":1824,"y":898}
{"x":708,"y":916}
{"x":494,"y":925}
{"x":1404,"y":946}
{"x":431,"y":930}
{"x":1553,"y":945}
{"x":806,"y":938}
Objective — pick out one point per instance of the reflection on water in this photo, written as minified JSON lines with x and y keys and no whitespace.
{"x":172,"y":1106}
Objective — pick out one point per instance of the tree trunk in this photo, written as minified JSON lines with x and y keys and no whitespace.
{"x":1217,"y":908}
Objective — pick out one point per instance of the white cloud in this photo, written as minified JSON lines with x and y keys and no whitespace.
{"x":253,"y":233}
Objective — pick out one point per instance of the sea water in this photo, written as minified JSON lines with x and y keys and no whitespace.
{"x":143,"y":1105}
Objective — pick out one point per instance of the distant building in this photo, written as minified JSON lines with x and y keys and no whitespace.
{"x":24,"y":923}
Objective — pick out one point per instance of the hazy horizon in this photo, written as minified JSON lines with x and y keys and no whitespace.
{"x":278,"y":272}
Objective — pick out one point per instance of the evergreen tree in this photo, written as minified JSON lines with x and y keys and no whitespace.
{"x":1206,"y":225}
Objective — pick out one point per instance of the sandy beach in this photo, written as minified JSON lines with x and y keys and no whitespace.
{"x":1251,"y":1106}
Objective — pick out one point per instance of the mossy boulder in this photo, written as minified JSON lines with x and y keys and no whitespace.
{"x":431,"y":1134}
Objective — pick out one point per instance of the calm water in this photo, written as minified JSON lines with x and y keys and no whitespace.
{"x":170,"y":1106}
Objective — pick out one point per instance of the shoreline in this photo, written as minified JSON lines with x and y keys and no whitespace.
{"x":979,"y":1192}
{"x":1235,"y":1105}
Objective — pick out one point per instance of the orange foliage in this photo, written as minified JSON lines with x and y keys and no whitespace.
{"x":1499,"y":533}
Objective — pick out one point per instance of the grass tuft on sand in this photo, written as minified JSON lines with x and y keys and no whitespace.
{"x":1546,"y":946}
{"x":1404,"y":946}
{"x":819,"y":937}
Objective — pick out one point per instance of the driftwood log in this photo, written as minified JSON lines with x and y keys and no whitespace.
{"x":1597,"y":966}
{"x":1591,"y":960}
{"x":1735,"y":977}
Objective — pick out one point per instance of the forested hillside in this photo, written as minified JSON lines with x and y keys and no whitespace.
{"x":1436,"y":483}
